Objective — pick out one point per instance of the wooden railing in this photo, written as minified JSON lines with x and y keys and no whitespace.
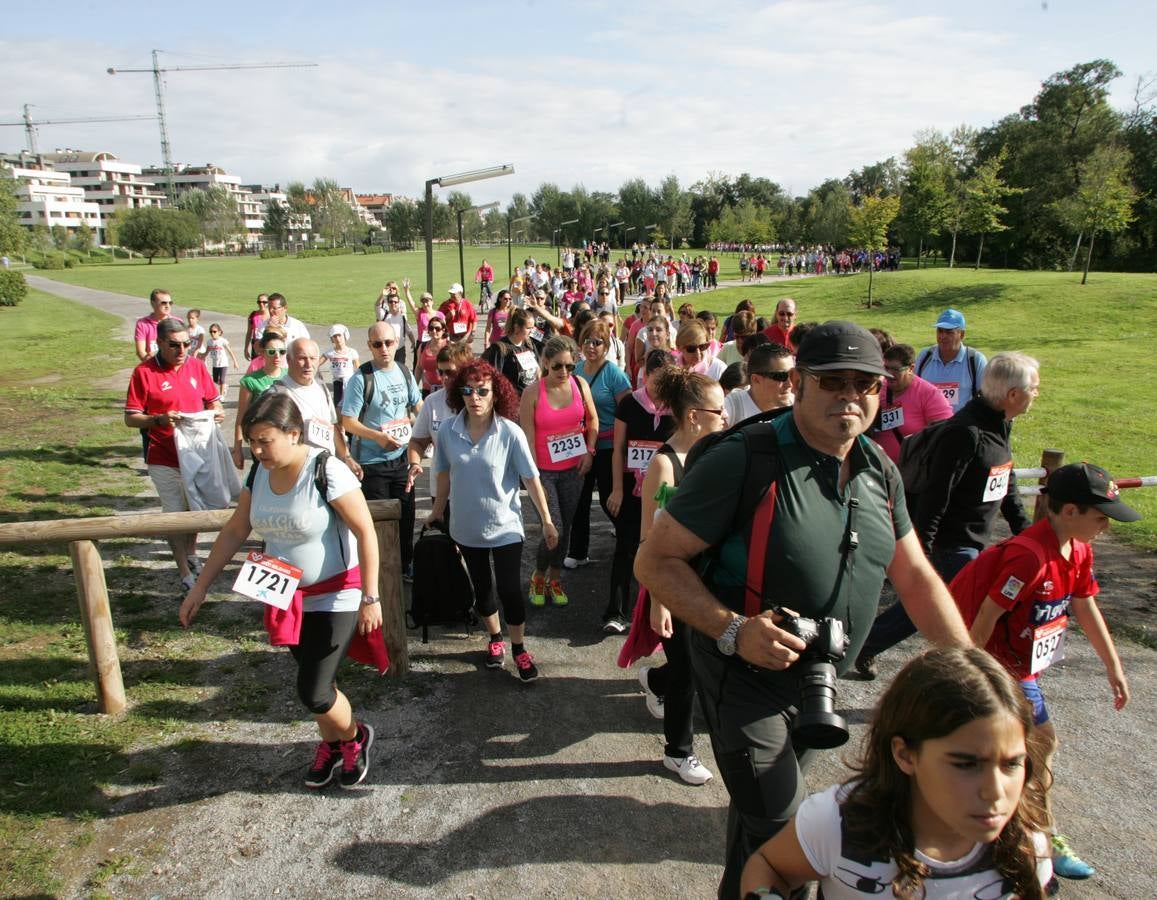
{"x":92,"y":593}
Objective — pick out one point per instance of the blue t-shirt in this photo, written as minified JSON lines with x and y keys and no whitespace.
{"x":608,"y":382}
{"x":393,"y":395}
{"x":953,"y":379}
{"x":484,"y":480}
{"x":301,"y":528}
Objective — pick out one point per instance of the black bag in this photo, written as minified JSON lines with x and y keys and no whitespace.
{"x":442,"y":593}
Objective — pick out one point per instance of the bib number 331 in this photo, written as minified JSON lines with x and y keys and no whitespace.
{"x":267,"y":579}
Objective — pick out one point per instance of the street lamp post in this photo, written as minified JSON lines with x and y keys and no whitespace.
{"x":450,"y":181}
{"x":509,"y":235}
{"x":461,"y":255}
{"x":558,"y":243}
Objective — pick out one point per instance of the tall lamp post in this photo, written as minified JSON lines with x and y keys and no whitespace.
{"x":509,"y":241}
{"x":450,"y":181}
{"x":558,"y":240}
{"x":461,"y":256}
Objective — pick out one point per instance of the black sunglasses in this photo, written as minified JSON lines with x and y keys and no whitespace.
{"x":378,"y":345}
{"x":180,"y":345}
{"x":774,"y":376}
{"x":697,"y":348}
{"x":570,"y":367}
{"x":468,"y":391}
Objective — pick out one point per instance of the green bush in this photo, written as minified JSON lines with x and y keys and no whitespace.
{"x":324,"y":251}
{"x":273,"y":254}
{"x":121,"y":253}
{"x":375,"y":248}
{"x":52,"y":260}
{"x":13,"y":288}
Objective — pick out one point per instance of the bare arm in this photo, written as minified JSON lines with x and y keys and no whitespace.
{"x":925,"y":598}
{"x":527,"y":404}
{"x":353,"y":510}
{"x":780,"y":863}
{"x":985,"y":622}
{"x":361,"y":430}
{"x":618,"y":461}
{"x":229,"y":350}
{"x":438,"y":513}
{"x":1093,"y":624}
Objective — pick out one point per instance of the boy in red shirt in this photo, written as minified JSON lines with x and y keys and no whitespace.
{"x":1044,"y":572}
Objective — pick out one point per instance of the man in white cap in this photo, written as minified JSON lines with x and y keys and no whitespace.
{"x":956,"y":370}
{"x":459,"y":314}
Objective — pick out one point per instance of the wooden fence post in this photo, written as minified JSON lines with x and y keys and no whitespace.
{"x":96,"y":616}
{"x":393,"y":603}
{"x":1049,"y":459}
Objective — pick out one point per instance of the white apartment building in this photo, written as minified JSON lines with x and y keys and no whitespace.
{"x":106,"y":180}
{"x":300,"y":226}
{"x":187,"y":178}
{"x":47,"y":197}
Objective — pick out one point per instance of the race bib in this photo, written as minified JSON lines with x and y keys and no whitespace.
{"x":891,"y":418}
{"x":566,"y":446}
{"x":1048,"y":644}
{"x":267,"y":579}
{"x":950,"y":390}
{"x":639,"y":454}
{"x":996,"y":485}
{"x":399,"y":430}
{"x":319,"y":433}
{"x":527,"y":360}
{"x":458,"y":327}
{"x":536,"y":334}
{"x":425,"y":336}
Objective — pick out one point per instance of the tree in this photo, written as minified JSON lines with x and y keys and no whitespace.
{"x":962,"y":156}
{"x":881,"y":179}
{"x":1103,"y":204}
{"x":985,"y":192}
{"x":277,"y":222}
{"x":868,"y":228}
{"x":924,"y":199}
{"x":638,"y":209}
{"x":332,"y":214}
{"x":84,"y":238}
{"x":60,"y":237}
{"x":151,"y":230}
{"x":215,"y":211}
{"x":673,"y":211}
{"x":403,"y":220}
{"x":12,"y":234}
{"x":830,"y":204}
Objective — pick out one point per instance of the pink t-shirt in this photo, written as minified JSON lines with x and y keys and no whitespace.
{"x":146,"y":330}
{"x":918,"y":406}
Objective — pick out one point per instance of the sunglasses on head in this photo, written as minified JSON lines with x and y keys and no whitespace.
{"x":275,"y":351}
{"x":180,"y":345}
{"x":861,"y":384}
{"x":556,"y":367}
{"x":774,"y":376}
{"x":468,"y":391}
{"x":378,"y":345}
{"x":696,"y":348}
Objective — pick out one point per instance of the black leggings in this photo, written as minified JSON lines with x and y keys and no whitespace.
{"x":673,"y":682}
{"x":598,"y":475}
{"x":627,"y":524}
{"x":507,"y":575}
{"x":325,"y":638}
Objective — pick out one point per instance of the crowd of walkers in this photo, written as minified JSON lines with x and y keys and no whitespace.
{"x":743,"y":465}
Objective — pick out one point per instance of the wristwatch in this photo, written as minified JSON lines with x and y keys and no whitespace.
{"x":726,"y":641}
{"x":367,"y":600}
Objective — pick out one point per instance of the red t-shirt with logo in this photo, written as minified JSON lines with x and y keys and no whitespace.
{"x":1035,"y":595}
{"x":154,"y":390}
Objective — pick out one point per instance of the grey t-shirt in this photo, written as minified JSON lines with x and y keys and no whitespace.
{"x":301,"y":528}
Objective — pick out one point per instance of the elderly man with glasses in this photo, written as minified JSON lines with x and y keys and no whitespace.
{"x":778,"y":332}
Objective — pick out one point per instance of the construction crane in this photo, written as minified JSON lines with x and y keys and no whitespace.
{"x":158,"y":74}
{"x":30,"y":126}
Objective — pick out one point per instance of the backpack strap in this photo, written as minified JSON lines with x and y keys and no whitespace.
{"x":756,"y":511}
{"x":970,"y":357}
{"x":922,"y":362}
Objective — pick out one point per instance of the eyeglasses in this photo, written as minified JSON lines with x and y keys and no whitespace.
{"x":593,"y":342}
{"x":164,"y":303}
{"x":896,"y":371}
{"x":446,"y":373}
{"x":861,"y":384}
{"x":262,"y":302}
{"x":718,"y":412}
{"x":774,"y":376}
{"x":275,"y":351}
{"x":783,"y":313}
{"x":378,"y":345}
{"x":180,"y":345}
{"x":570,"y":367}
{"x":696,"y":348}
{"x":468,"y":391}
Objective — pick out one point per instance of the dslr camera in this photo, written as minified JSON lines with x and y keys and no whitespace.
{"x":818,"y":725}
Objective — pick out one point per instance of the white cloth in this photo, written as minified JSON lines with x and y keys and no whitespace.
{"x":207,"y":470}
{"x":739,"y":406}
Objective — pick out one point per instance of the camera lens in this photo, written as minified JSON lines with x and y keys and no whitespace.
{"x":818,"y":725}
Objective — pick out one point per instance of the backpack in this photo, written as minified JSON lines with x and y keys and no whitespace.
{"x":969,"y":358}
{"x":916,"y":454}
{"x":366,"y":370}
{"x":442,"y":593}
{"x":320,"y":483}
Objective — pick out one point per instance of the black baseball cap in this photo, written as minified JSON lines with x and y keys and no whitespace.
{"x":1089,"y":485}
{"x":841,"y":345}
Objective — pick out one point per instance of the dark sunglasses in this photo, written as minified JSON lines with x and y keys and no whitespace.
{"x":774,"y":376}
{"x":696,"y":348}
{"x":468,"y":391}
{"x":570,"y":367}
{"x":593,"y":342}
{"x":861,"y":384}
{"x":436,"y":329}
{"x":378,"y":345}
{"x":275,"y":351}
{"x":446,"y":373}
{"x":180,"y":345}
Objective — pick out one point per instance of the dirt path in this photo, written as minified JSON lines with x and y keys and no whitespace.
{"x":482,"y":787}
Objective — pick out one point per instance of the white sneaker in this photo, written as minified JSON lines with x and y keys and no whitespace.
{"x":689,"y":769}
{"x":187,"y":582}
{"x":654,"y":701}
{"x":195,"y":565}
{"x":571,"y":563}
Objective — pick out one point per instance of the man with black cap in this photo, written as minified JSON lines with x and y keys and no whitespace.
{"x":802,"y":514}
{"x":1020,"y":613}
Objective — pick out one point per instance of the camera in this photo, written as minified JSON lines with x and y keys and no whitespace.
{"x":818,"y":725}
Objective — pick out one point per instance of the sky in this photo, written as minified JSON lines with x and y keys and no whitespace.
{"x":590,"y":93}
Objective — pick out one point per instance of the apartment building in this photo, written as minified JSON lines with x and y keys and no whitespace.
{"x":47,"y":197}
{"x":111,"y":183}
{"x":186,"y":178}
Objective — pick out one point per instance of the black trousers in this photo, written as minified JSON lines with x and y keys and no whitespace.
{"x":623,"y":586}
{"x":387,"y":481}
{"x":674,"y":683}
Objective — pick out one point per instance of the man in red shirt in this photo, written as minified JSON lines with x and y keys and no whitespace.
{"x":459,"y":314}
{"x":1046,"y":571}
{"x":145,"y":331}
{"x":161,"y":390}
{"x":485,"y":279}
{"x":778,"y":331}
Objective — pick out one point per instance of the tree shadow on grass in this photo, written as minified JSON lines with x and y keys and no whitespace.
{"x":71,"y":455}
{"x":961,"y":297}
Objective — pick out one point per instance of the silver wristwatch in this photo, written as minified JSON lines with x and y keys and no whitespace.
{"x":726,"y":642}
{"x":367,"y":600}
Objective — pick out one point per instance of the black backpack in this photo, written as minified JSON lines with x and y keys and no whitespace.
{"x":442,"y":593}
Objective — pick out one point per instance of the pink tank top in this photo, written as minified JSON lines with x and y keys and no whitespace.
{"x":559,"y":434}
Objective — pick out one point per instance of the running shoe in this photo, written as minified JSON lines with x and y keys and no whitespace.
{"x":196,"y":565}
{"x":571,"y":563}
{"x":615,"y":625}
{"x":866,"y":666}
{"x":557,"y":595}
{"x":408,"y":574}
{"x":327,"y":762}
{"x":654,"y":701}
{"x":187,"y":582}
{"x":689,"y":769}
{"x":1066,"y":863}
{"x":537,"y":590}
{"x":355,"y":756}
{"x":527,"y":670}
{"x":495,"y":654}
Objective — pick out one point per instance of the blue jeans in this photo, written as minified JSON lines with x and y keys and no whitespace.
{"x":893,"y":625}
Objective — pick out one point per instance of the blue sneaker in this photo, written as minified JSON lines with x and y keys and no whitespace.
{"x":1066,"y":863}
